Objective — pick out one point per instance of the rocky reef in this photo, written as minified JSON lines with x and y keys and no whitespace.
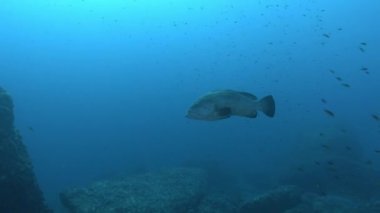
{"x":169,"y":191}
{"x":292,"y":199}
{"x":19,"y":191}
{"x":278,"y":200}
{"x":187,"y":190}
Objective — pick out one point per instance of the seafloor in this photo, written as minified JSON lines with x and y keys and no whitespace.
{"x":192,"y":190}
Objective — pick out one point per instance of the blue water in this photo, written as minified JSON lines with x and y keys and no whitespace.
{"x":105,"y":85}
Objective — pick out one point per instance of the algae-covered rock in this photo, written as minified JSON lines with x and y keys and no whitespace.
{"x":313,"y":203}
{"x":219,"y":203}
{"x":169,"y":191}
{"x":370,"y":207}
{"x":19,"y":191}
{"x":279,"y":200}
{"x":6,"y":114}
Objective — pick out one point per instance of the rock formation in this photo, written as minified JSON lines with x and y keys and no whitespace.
{"x":19,"y":191}
{"x":169,"y":191}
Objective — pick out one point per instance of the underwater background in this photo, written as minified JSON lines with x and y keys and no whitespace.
{"x":101,"y":88}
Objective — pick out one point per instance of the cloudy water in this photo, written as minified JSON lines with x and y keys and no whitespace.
{"x":102,"y":88}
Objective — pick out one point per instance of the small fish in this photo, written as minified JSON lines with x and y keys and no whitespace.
{"x":326,"y":35}
{"x":300,"y":169}
{"x":331,"y":163}
{"x":321,"y":134}
{"x":317,"y":163}
{"x":338,"y":78}
{"x":365,"y":70}
{"x":329,"y":113}
{"x":363,"y":43}
{"x":346,"y":85}
{"x":325,"y":146}
{"x":332,"y":71}
{"x":362,"y":49}
{"x":376,"y":117}
{"x":368,"y":162}
{"x":30,"y":128}
{"x":377,"y":151}
{"x":323,"y":101}
{"x":348,"y":148}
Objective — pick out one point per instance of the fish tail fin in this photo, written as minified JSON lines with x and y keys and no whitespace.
{"x":267,"y":106}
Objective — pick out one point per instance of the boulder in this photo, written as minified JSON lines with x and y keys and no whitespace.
{"x":276,"y":201}
{"x":170,"y":191}
{"x":314,"y":203}
{"x":219,"y":202}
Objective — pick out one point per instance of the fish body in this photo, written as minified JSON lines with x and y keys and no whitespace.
{"x":329,"y":113}
{"x":223,"y":104}
{"x":376,"y":117}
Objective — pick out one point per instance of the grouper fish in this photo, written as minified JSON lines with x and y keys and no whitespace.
{"x":223,"y":104}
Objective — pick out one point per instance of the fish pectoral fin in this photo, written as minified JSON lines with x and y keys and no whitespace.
{"x":225,"y":111}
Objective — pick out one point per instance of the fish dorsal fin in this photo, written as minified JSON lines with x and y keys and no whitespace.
{"x":248,"y":95}
{"x":225,"y":111}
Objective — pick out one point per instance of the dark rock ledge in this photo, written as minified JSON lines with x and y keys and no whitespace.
{"x":19,"y":191}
